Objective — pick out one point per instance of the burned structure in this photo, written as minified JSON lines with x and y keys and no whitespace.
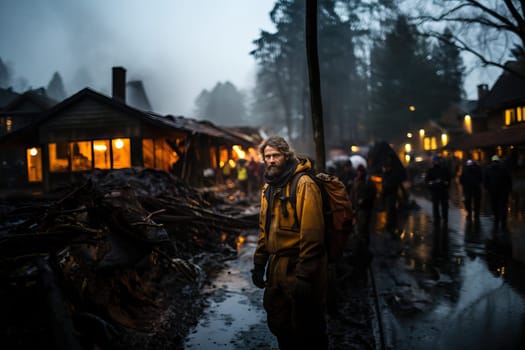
{"x":90,"y":131}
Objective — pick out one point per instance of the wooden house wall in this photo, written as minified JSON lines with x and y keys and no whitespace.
{"x":89,"y":119}
{"x":495,"y":120}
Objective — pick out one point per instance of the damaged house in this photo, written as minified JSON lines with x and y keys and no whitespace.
{"x":90,"y":130}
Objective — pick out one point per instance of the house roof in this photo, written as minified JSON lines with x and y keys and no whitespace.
{"x":508,"y":90}
{"x":180,"y":123}
{"x":30,"y":101}
{"x":6,"y":96}
{"x":512,"y":135}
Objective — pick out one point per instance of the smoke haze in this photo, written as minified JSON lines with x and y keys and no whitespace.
{"x":176,"y":47}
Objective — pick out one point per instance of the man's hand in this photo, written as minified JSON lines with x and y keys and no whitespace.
{"x":258,"y":276}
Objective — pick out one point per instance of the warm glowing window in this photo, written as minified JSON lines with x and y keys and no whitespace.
{"x":165,"y":157}
{"x":148,"y":155}
{"x":444,"y":139}
{"x":58,"y":157}
{"x":223,"y":156}
{"x":520,"y":115}
{"x":81,"y":155}
{"x":121,"y":153}
{"x":34,"y":164}
{"x":429,"y":143}
{"x":101,"y":154}
{"x":213,"y":156}
{"x":510,"y":116}
{"x":8,"y":124}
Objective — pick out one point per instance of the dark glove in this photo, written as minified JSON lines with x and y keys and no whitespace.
{"x":258,"y":276}
{"x":302,"y":291}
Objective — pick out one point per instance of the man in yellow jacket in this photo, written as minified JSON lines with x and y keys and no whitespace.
{"x":291,"y":250}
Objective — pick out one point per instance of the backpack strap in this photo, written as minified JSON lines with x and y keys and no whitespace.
{"x":293,"y":196}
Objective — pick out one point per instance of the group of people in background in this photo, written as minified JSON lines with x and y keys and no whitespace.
{"x":247,"y":175}
{"x":289,"y":260}
{"x":495,"y":178}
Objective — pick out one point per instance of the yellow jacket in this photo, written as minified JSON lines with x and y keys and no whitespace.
{"x":304,"y":244}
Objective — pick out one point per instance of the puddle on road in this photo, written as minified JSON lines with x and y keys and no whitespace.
{"x":235,"y":318}
{"x":468,"y":295}
{"x":222,"y":322}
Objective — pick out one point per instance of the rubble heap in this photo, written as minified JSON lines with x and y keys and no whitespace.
{"x":113,"y":261}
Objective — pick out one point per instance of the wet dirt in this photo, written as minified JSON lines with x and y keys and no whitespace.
{"x":235,"y":318}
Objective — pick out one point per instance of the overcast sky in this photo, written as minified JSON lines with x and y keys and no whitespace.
{"x":177,"y":47}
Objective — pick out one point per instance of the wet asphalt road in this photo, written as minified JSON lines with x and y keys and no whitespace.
{"x":448,"y":287}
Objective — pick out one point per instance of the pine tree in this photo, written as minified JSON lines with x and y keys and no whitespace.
{"x":223,"y":105}
{"x":5,"y":76}
{"x":402,"y":75}
{"x":55,"y":88}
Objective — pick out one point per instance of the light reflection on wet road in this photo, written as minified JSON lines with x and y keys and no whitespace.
{"x":450,"y":287}
{"x":235,"y":318}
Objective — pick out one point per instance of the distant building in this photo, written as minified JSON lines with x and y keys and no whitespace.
{"x":498,"y":122}
{"x":89,"y":131}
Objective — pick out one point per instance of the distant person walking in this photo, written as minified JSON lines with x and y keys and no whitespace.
{"x":471,"y":180}
{"x":498,"y":183}
{"x":391,"y":183}
{"x":363,"y":194}
{"x":347,"y":175}
{"x":437,"y":180}
{"x":242,"y":177}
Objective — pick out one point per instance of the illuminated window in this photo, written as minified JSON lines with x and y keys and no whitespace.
{"x":429,"y":143}
{"x":121,"y":153}
{"x":58,"y":157}
{"x":223,"y":156}
{"x":8,"y":124}
{"x":101,"y":154}
{"x":34,"y":164}
{"x":81,"y":156}
{"x":510,"y":116}
{"x":148,"y":155}
{"x":444,"y":139}
{"x":520,"y":115}
{"x":165,"y":157}
{"x":213,"y":156}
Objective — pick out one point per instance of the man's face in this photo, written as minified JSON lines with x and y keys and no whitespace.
{"x":274,"y":161}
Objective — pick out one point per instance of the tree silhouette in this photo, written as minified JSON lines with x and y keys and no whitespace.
{"x":407,"y":71}
{"x":491,"y":30}
{"x":5,"y":75}
{"x":55,"y":89}
{"x":223,"y":105}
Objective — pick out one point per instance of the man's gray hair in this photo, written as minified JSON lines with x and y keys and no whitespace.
{"x":280,"y":144}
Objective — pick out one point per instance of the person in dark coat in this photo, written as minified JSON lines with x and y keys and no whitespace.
{"x":347,"y":175}
{"x":471,"y":179}
{"x":363,"y":194}
{"x":498,"y":183}
{"x":437,"y":180}
{"x":391,"y":183}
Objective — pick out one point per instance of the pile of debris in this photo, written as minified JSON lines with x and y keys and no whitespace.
{"x":114,"y":261}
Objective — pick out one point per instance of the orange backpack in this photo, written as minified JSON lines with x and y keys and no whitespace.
{"x":337,"y":210}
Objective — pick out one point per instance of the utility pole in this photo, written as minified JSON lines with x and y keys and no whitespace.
{"x":315,"y":84}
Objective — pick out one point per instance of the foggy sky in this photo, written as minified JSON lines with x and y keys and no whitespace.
{"x":177,"y":47}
